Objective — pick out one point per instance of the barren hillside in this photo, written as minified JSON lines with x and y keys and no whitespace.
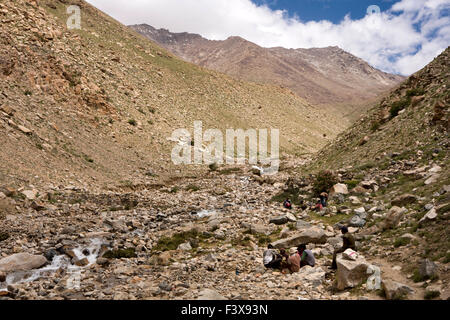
{"x":329,"y":77}
{"x":97,"y":105}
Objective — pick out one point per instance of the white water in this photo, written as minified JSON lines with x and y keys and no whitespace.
{"x":205,"y":213}
{"x":58,"y":262}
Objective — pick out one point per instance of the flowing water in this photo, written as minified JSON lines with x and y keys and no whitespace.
{"x":59,"y":263}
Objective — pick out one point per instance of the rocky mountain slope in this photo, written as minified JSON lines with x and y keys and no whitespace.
{"x":96,"y":106}
{"x":201,"y":236}
{"x":329,"y":77}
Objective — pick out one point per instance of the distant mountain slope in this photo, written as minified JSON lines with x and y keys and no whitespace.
{"x":96,"y":106}
{"x":326,"y":76}
{"x":412,"y":121}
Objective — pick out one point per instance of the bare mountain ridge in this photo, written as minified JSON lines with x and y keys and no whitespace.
{"x":97,"y":106}
{"x":328,"y":76}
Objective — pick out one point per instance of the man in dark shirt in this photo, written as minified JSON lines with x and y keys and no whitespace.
{"x":349,"y":243}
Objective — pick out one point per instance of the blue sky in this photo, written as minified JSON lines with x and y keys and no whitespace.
{"x":331,"y":10}
{"x":402,"y":38}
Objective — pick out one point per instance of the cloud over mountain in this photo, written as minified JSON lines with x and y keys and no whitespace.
{"x":401,"y":40}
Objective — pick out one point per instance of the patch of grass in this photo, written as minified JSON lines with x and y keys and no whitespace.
{"x":172,"y":243}
{"x":213,"y":166}
{"x":325,"y":179}
{"x":351,"y":183}
{"x":415,"y":92}
{"x":399,"y":242}
{"x":132,"y":122}
{"x":241,"y":241}
{"x":429,"y":295}
{"x":443,"y":209}
{"x":447,"y":258}
{"x":174,"y":189}
{"x":375,"y":125}
{"x":120,"y":253}
{"x":192,"y":187}
{"x":3,"y":236}
{"x":398,"y":106}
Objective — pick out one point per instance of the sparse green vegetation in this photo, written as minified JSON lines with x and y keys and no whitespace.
{"x":429,"y":295}
{"x":399,"y":242}
{"x":3,"y":236}
{"x":351,"y":183}
{"x":172,"y":243}
{"x":213,"y":166}
{"x":192,"y":187}
{"x":398,"y":106}
{"x":415,"y":92}
{"x":132,"y":122}
{"x":120,"y":253}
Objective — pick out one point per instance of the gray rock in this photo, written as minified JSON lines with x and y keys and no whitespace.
{"x":279,"y":220}
{"x":395,"y":290}
{"x":430,"y":216}
{"x":336,"y":242}
{"x":209,"y":294}
{"x":311,"y":235}
{"x":404,"y":200}
{"x":393,"y":217}
{"x":165,"y":286}
{"x":303,"y":225}
{"x":428,"y":269}
{"x":357,"y":221}
{"x":339,"y":188}
{"x":350,"y":273}
{"x":185,"y":247}
{"x":22,"y":262}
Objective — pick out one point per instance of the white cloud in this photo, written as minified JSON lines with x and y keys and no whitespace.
{"x":401,"y":40}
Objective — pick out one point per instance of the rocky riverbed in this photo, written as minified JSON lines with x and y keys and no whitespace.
{"x":197,"y":238}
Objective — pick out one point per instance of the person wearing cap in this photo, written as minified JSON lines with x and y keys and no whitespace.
{"x":291,"y":263}
{"x":348,"y":243}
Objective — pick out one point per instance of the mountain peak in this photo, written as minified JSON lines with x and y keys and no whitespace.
{"x":324,"y":76}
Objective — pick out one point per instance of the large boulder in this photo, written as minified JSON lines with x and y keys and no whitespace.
{"x":280,"y":220}
{"x":311,"y":235}
{"x":351,"y":273}
{"x":430,"y":216}
{"x":357,"y":221}
{"x":260,"y":229}
{"x":395,"y":290}
{"x":303,"y":225}
{"x":339,"y":188}
{"x":403,"y":200}
{"x":393,"y":217}
{"x":428,"y":269}
{"x":310,"y":276}
{"x":21,"y":262}
{"x":336,"y":242}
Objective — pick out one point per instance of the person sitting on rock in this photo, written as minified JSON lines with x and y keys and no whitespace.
{"x":348,"y":243}
{"x":291,"y":263}
{"x":271,"y":258}
{"x":287,"y":204}
{"x":307,"y":257}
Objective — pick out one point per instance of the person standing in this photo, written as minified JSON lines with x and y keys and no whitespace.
{"x":348,"y":243}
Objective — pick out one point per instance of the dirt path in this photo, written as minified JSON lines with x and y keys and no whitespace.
{"x":393,"y":272}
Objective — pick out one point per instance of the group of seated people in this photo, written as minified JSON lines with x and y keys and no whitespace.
{"x":280,"y":260}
